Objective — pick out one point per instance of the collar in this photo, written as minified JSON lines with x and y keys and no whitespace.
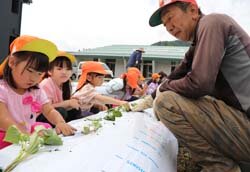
{"x":194,"y":40}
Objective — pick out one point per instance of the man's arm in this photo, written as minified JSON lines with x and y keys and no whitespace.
{"x":184,"y":67}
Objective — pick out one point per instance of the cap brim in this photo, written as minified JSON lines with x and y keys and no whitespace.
{"x":68,"y":55}
{"x":155,"y":19}
{"x":132,"y":80}
{"x":100,"y":72}
{"x":41,"y":46}
{"x":133,"y":85}
{"x":83,"y":77}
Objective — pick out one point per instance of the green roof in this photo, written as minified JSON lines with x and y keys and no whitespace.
{"x":124,"y":51}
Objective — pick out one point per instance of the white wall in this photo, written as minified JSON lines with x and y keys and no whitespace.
{"x":119,"y":67}
{"x":164,"y":66}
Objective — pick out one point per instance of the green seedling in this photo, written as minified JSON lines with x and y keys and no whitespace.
{"x":123,"y":108}
{"x":110,"y":117}
{"x":86,"y":130}
{"x":112,"y":114}
{"x":30,"y":144}
{"x":93,"y":127}
{"x":51,"y":138}
{"x":117,"y":113}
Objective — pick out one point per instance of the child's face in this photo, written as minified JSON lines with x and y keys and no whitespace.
{"x":95,"y":80}
{"x":24,"y":78}
{"x":61,"y":74}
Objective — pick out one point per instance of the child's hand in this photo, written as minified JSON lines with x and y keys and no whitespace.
{"x":123,"y":102}
{"x":74,"y":103}
{"x":65,"y":129}
{"x":102,"y":107}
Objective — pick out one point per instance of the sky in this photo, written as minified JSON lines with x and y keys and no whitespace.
{"x":80,"y":24}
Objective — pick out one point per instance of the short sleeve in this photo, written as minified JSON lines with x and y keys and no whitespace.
{"x":114,"y":85}
{"x":86,"y":94}
{"x":3,"y":92}
{"x":42,"y":96}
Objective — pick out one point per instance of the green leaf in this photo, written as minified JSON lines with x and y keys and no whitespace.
{"x":110,"y":117}
{"x":96,"y":125}
{"x":48,"y":132}
{"x":86,"y":130}
{"x":117,"y":113}
{"x":51,"y":138}
{"x":13,"y":135}
{"x":39,"y":128}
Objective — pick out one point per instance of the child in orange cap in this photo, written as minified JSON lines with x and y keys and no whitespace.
{"x":122,"y":88}
{"x":58,"y":87}
{"x":140,"y":89}
{"x":92,"y":75}
{"x":153,"y":83}
{"x":21,"y":100}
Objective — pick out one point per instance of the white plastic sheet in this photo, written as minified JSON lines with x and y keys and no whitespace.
{"x":136,"y":142}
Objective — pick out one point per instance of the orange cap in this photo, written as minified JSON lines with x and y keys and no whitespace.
{"x":133,"y":75}
{"x":155,"y":76}
{"x":89,"y":67}
{"x":34,"y":44}
{"x":155,"y":19}
{"x":137,"y":71}
{"x":132,"y":79}
{"x":68,"y":55}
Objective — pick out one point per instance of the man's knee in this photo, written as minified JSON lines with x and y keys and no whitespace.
{"x":164,"y":97}
{"x":164,"y":104}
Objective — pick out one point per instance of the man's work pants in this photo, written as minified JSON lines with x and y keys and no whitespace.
{"x":217,"y":135}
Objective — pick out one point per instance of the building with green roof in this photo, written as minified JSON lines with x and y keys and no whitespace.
{"x":155,"y":58}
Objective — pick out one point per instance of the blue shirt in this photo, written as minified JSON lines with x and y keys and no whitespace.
{"x":134,"y":57}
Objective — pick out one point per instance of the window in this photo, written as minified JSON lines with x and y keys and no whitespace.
{"x":147,"y":68}
{"x":111,"y":64}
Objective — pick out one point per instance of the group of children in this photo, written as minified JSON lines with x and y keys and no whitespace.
{"x":35,"y":88}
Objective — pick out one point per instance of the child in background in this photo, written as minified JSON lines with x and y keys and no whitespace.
{"x":58,"y":88}
{"x":142,"y":86}
{"x":123,"y":88}
{"x":92,"y":75}
{"x":21,"y":100}
{"x":153,"y":83}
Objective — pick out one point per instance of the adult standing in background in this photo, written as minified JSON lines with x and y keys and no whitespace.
{"x":135,"y":58}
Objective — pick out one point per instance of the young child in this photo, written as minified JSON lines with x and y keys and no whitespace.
{"x":123,"y":88}
{"x":153,"y":83}
{"x":20,"y":98}
{"x":58,"y":88}
{"x":92,"y":75}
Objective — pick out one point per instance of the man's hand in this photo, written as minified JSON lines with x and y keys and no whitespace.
{"x":142,"y":104}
